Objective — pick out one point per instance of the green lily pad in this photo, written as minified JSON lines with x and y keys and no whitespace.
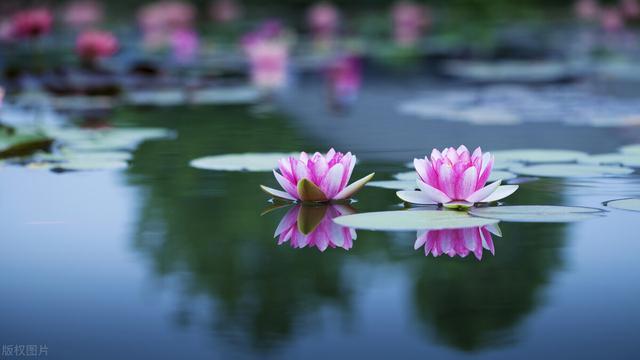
{"x":406,"y":176}
{"x":538,"y":155}
{"x":88,"y":165}
{"x":624,"y":204}
{"x":500,"y":175}
{"x":86,"y":156}
{"x":631,"y":149}
{"x":407,"y":220}
{"x":631,"y":160}
{"x":536,"y":213}
{"x":394,"y":184}
{"x":259,"y":162}
{"x":14,"y":145}
{"x":108,"y":140}
{"x":570,"y":170}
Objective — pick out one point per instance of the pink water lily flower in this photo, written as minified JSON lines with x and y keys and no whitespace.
{"x":94,"y":44}
{"x":317,"y":177}
{"x":31,"y":23}
{"x":455,"y":178}
{"x":305,"y":226}
{"x":457,"y":242}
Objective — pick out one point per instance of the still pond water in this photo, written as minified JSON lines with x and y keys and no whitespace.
{"x":166,"y":261}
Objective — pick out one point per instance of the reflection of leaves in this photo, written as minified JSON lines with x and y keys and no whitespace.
{"x":473,"y":305}
{"x":206,"y":226}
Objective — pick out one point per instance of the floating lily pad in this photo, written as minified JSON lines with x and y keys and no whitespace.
{"x":624,"y":204}
{"x":259,"y":162}
{"x":412,"y":220}
{"x":538,"y":155}
{"x":536,"y":213}
{"x":570,"y":170}
{"x":108,"y":140}
{"x":500,"y":175}
{"x":631,"y":149}
{"x":406,"y":176}
{"x":86,"y":156}
{"x":87,"y":165}
{"x":394,"y":184}
{"x":14,"y":145}
{"x":503,"y":165}
{"x":631,"y":160}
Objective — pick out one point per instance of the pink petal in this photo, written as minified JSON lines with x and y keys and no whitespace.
{"x":416,"y":197}
{"x":277,"y":193}
{"x":288,"y":221}
{"x":483,"y":193}
{"x":330,"y":185}
{"x":462,"y":149}
{"x":421,"y":239}
{"x":446,"y":180}
{"x":353,"y":188}
{"x":501,"y":193}
{"x":466,"y":184}
{"x":286,"y":185}
{"x":421,"y":169}
{"x":433,"y":193}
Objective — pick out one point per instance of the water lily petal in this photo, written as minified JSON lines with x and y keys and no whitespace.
{"x":483,"y":193}
{"x":466,"y":184}
{"x":421,"y":168}
{"x":286,"y":184}
{"x":421,"y":239}
{"x":353,"y":188}
{"x":277,"y":193}
{"x":416,"y":197}
{"x":287,"y":221}
{"x":501,"y":193}
{"x":330,"y":185}
{"x":433,"y":193}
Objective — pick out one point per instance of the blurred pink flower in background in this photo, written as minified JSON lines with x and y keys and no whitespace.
{"x":318,"y":177}
{"x":224,"y":11}
{"x":455,"y":178}
{"x":323,"y":20}
{"x":268,"y":54}
{"x":82,"y":14}
{"x":611,"y":19}
{"x":31,"y":23}
{"x":588,"y":10}
{"x":344,"y":77}
{"x":630,"y":9}
{"x":185,"y":45}
{"x":160,"y":19}
{"x":269,"y":62}
{"x":409,"y":21}
{"x":95,"y":44}
{"x":322,"y":233}
{"x":270,"y":30}
{"x":457,"y":242}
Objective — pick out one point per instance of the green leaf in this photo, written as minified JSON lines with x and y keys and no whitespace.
{"x":258,"y":162}
{"x":537,"y":213}
{"x":624,"y":204}
{"x":406,"y":220}
{"x":570,"y":170}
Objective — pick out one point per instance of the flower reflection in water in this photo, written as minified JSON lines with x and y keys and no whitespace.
{"x":458,"y":242}
{"x":312,"y":225}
